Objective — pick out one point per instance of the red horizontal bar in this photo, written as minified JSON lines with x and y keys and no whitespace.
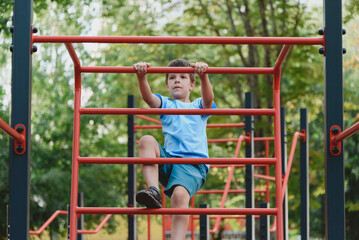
{"x":11,"y":132}
{"x":181,"y":40}
{"x":137,"y":160}
{"x":99,"y":227}
{"x":210,"y":70}
{"x":346,"y":133}
{"x":214,"y":125}
{"x":262,"y":139}
{"x":264,"y":177}
{"x":47,"y":223}
{"x":160,"y":111}
{"x":236,"y":165}
{"x":177,"y":211}
{"x":227,"y":217}
{"x":226,"y":166}
{"x":229,"y":191}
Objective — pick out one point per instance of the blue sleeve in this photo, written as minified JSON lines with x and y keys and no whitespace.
{"x":199,"y":103}
{"x":160,"y":97}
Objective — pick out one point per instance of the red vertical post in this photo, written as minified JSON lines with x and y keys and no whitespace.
{"x":267,"y":172}
{"x":75,"y":155}
{"x":277,"y":153}
{"x":148,"y":227}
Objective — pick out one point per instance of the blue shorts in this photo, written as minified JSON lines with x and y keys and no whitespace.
{"x":191,"y":177}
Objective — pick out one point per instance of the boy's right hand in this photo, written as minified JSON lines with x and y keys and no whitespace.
{"x":141,"y":68}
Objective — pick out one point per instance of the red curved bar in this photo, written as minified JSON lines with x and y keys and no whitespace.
{"x":180,"y":40}
{"x":149,"y":119}
{"x":160,"y":111}
{"x":282,"y":55}
{"x":228,"y":183}
{"x":290,"y":161}
{"x":11,"y":132}
{"x":99,"y":227}
{"x":47,"y":223}
{"x":264,"y":177}
{"x":210,"y":70}
{"x":177,"y":211}
{"x":346,"y":133}
{"x":73,"y":55}
{"x":137,"y":160}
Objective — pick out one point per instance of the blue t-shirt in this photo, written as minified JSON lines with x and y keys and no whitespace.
{"x":185,"y":135}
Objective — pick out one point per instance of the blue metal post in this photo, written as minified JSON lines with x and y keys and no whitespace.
{"x":283,"y":132}
{"x":21,"y":113}
{"x":249,"y":130}
{"x":131,"y":169}
{"x":204,"y":224}
{"x":304,"y":177}
{"x":333,"y":81}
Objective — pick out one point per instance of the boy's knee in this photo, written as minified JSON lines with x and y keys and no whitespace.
{"x":146,"y":141}
{"x":180,"y":197}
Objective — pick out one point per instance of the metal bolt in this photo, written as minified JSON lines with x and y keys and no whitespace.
{"x":35,"y":29}
{"x":321,"y":50}
{"x":20,"y":129}
{"x":335,"y":150}
{"x":12,"y":29}
{"x":34,"y":48}
{"x":12,"y":48}
{"x":321,"y":31}
{"x":335,"y":130}
{"x":344,"y":31}
{"x":19,"y":148}
{"x":344,"y":50}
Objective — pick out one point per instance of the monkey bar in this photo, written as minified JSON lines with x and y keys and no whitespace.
{"x":275,"y":112}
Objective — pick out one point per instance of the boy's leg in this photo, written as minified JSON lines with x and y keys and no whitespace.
{"x":180,"y":199}
{"x":148,"y":148}
{"x":151,"y":197}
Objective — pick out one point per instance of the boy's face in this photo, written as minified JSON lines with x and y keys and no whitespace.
{"x":179,"y":85}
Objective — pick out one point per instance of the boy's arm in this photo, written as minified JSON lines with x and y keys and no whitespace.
{"x":145,"y":90}
{"x":206,"y":87}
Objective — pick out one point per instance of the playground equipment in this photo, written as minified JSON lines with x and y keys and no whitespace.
{"x":332,"y":50}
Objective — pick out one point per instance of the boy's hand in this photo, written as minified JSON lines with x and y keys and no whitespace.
{"x":141,"y":68}
{"x":200,"y":68}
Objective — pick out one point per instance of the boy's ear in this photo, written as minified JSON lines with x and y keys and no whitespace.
{"x":193,"y":84}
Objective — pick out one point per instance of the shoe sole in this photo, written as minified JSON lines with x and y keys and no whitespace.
{"x":143,"y":198}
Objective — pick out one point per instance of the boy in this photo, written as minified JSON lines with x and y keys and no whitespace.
{"x":185,"y":136}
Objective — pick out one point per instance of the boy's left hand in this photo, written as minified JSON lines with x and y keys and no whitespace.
{"x":200,"y":68}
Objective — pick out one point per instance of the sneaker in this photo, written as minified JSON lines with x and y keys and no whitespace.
{"x":151,"y":197}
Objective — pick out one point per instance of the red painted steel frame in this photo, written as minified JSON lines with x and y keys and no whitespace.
{"x":346,"y":133}
{"x":181,"y":40}
{"x":11,"y":132}
{"x":47,"y":223}
{"x":278,"y":211}
{"x":228,"y":183}
{"x":99,"y":227}
{"x":75,"y":154}
{"x":290,"y":160}
{"x":210,"y":70}
{"x":277,"y":154}
{"x":213,"y":125}
{"x":138,"y":160}
{"x":229,"y":191}
{"x":161,"y":111}
{"x":177,"y":211}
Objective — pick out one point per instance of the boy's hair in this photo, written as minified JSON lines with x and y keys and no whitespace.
{"x":180,"y":63}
